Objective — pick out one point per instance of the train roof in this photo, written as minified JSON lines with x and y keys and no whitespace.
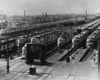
{"x":93,"y":34}
{"x":77,"y":36}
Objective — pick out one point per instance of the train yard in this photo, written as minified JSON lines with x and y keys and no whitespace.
{"x":73,"y":57}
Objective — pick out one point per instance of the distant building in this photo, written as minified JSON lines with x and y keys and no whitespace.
{"x":3,"y":21}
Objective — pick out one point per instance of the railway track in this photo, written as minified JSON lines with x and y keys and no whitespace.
{"x":52,"y":51}
{"x":23,"y":69}
{"x":17,"y":34}
{"x":86,"y":54}
{"x":67,"y":55}
{"x":70,"y":52}
{"x":82,"y":55}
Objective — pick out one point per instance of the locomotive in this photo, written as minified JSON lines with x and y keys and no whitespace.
{"x":93,"y":38}
{"x":83,"y":35}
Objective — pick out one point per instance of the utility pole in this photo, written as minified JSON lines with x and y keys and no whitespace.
{"x":8,"y":56}
{"x":86,"y":16}
{"x":24,"y":14}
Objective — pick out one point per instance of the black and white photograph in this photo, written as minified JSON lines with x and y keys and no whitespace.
{"x":49,"y":39}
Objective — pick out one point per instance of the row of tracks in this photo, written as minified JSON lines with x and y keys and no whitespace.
{"x":68,"y":55}
{"x":50,"y":53}
{"x":23,"y":69}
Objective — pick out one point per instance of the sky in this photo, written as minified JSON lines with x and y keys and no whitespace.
{"x":34,"y":7}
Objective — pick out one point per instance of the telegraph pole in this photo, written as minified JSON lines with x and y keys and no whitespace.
{"x":86,"y":16}
{"x":24,"y":14}
{"x":8,"y":56}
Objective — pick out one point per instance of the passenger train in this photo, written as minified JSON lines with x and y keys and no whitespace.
{"x":93,"y":38}
{"x":83,"y":35}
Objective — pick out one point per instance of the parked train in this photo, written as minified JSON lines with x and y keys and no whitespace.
{"x":48,"y":43}
{"x":86,"y":26}
{"x":16,"y":42}
{"x":30,"y":27}
{"x":83,"y":35}
{"x":93,"y":38}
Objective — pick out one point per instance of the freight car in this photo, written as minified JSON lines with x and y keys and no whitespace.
{"x":83,"y":35}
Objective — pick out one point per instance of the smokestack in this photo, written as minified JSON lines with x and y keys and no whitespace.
{"x":46,"y":13}
{"x":86,"y":15}
{"x":24,"y":14}
{"x":42,"y":13}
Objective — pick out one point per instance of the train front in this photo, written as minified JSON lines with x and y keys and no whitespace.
{"x":75,"y":41}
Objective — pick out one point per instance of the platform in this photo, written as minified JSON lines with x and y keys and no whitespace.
{"x":52,"y":71}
